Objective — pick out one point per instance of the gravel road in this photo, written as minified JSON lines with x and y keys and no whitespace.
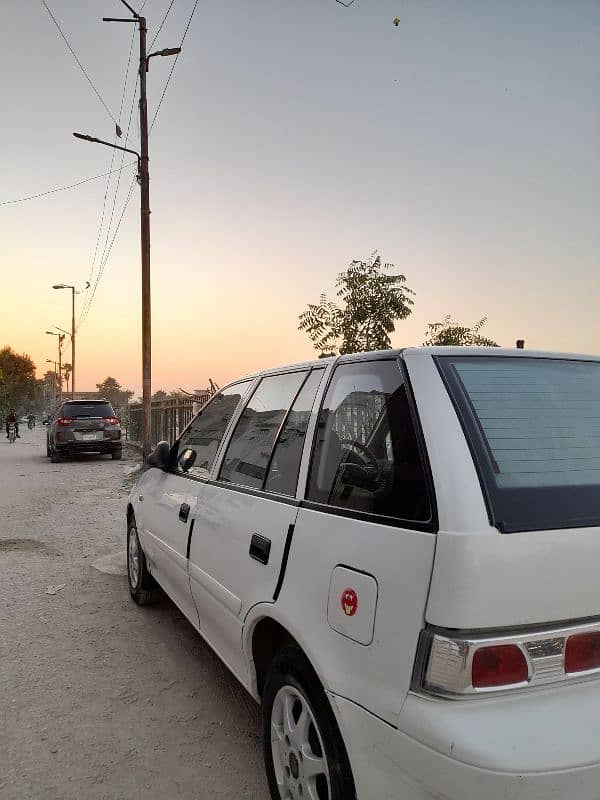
{"x":101,"y":699}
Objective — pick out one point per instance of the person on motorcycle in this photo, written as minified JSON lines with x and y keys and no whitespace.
{"x":12,"y":417}
{"x":30,"y":421}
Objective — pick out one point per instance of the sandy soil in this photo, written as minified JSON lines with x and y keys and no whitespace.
{"x":101,"y":699}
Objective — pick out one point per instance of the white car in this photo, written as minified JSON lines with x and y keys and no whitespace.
{"x":398,"y":555}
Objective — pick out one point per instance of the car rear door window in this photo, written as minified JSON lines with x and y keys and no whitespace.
{"x":87,"y":410}
{"x":366,"y":455}
{"x":533,"y":425}
{"x":249,"y":451}
{"x":206,"y":431}
{"x":285,"y":461}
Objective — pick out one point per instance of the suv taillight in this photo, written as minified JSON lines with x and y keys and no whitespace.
{"x":455,"y":665}
{"x":111,"y":420}
{"x":65,"y":420}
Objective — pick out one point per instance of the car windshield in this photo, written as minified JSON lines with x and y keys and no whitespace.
{"x":88,"y":410}
{"x":534,"y":428}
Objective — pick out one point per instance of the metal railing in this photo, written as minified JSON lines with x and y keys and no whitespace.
{"x":168,"y":418}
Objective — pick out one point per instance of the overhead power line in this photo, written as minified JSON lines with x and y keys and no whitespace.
{"x":162,"y":97}
{"x":105,"y":259}
{"x":63,"y":188}
{"x":76,"y":57}
{"x":160,"y":27}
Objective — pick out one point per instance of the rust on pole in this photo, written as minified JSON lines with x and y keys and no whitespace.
{"x":145,"y":244}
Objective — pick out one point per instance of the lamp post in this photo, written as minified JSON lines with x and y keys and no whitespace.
{"x":61,"y":337}
{"x":72,"y":334}
{"x":144,"y":180}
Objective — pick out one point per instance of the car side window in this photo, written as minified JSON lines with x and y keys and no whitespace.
{"x":366,"y":456}
{"x":285,"y":461}
{"x":199,"y":443}
{"x":249,"y":451}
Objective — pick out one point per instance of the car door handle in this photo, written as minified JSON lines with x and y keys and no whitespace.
{"x":184,"y":512}
{"x":260,"y":548}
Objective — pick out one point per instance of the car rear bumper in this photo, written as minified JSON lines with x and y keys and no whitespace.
{"x":489,"y":761}
{"x":103,"y":446}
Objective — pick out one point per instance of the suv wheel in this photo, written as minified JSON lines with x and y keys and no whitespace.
{"x":116,"y":455}
{"x":55,"y":457}
{"x":304,"y":753}
{"x":142,"y":586}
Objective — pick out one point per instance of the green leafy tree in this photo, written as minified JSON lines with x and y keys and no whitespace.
{"x":448,"y":333}
{"x":19,"y":385}
{"x":160,"y":395}
{"x":118,"y":397}
{"x":372,"y":299}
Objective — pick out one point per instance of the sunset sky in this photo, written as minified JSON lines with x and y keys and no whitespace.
{"x":463,"y":144}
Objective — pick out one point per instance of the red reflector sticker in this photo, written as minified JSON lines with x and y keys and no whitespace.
{"x":501,"y":665}
{"x":582,"y":652}
{"x":349,"y":602}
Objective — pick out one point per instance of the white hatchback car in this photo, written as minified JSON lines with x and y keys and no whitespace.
{"x":398,"y":554}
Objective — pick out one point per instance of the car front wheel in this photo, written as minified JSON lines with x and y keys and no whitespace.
{"x":304,"y":753}
{"x":142,"y":586}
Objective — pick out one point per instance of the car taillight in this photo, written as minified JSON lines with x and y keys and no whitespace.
{"x":498,"y":665}
{"x":455,"y":665}
{"x":65,"y":420}
{"x":111,"y":420}
{"x":582,"y":652}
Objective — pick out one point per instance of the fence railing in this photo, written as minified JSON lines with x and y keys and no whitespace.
{"x":167,"y":420}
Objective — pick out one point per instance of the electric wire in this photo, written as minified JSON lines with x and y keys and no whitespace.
{"x":110,"y":247}
{"x":63,"y":188}
{"x":85,"y":305}
{"x":76,"y":57}
{"x":166,"y":86}
{"x":160,"y":27}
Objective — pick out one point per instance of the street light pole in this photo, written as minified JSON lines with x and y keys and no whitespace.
{"x":145,"y":245}
{"x":72,"y":334}
{"x":144,"y":179}
{"x":61,"y":337}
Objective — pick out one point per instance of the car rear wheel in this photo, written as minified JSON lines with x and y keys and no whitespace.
{"x":55,"y":457}
{"x":142,"y":586}
{"x":117,"y":455}
{"x":305,"y":756}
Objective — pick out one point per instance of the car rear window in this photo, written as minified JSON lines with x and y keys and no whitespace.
{"x":88,"y":410}
{"x":533,"y":425}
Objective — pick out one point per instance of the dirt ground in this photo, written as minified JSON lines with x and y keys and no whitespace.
{"x":101,"y":699}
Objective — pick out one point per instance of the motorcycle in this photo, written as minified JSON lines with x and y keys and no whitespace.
{"x":12,"y":432}
{"x":31,"y":424}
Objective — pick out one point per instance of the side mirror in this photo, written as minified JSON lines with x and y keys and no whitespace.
{"x":159,"y":457}
{"x":187,"y":460}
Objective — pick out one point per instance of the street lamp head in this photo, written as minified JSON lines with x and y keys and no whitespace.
{"x":170,"y":51}
{"x":51,"y":333}
{"x":59,"y":286}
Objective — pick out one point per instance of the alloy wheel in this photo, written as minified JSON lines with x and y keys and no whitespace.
{"x":299,"y":758}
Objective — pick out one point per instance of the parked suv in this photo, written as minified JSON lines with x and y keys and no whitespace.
{"x":83,"y":426}
{"x":397,"y":554}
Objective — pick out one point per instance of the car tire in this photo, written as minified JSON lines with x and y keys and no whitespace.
{"x":47,"y":447}
{"x":142,"y":586}
{"x":55,"y":457}
{"x":288,"y":748}
{"x":117,"y":455}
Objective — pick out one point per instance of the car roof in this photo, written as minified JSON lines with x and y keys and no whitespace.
{"x":86,"y":402}
{"x":421,"y":352}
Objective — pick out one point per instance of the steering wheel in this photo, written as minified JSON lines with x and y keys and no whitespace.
{"x":370,"y":463}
